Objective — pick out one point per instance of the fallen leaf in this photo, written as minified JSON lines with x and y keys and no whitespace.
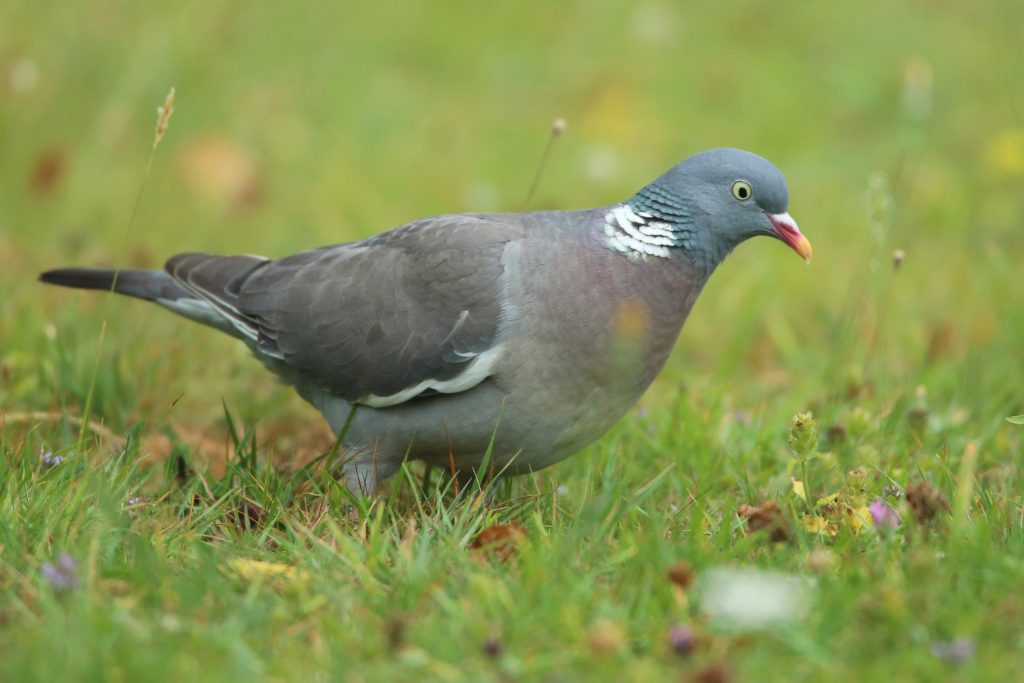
{"x":926,"y":501}
{"x":247,"y":515}
{"x":500,"y":541}
{"x":767,"y":517}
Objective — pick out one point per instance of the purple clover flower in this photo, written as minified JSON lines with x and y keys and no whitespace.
{"x":682,"y":640}
{"x":883,"y":516}
{"x":955,"y":651}
{"x":62,"y":574}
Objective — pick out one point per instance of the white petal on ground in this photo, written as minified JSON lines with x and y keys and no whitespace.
{"x":747,"y":598}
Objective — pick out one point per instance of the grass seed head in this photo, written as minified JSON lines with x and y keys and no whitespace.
{"x":163,"y":117}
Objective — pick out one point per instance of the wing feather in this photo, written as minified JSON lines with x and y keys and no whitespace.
{"x":412,"y":311}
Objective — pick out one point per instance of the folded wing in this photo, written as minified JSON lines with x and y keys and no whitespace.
{"x":408,"y":313}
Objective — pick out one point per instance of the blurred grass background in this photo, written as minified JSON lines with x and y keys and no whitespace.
{"x":305,"y":125}
{"x":899,"y":125}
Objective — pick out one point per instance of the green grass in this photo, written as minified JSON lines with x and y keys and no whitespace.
{"x":899,"y":126}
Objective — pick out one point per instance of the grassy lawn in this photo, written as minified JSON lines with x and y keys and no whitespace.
{"x":189,"y":529}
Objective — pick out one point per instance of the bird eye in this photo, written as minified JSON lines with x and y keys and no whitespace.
{"x":741,"y":190}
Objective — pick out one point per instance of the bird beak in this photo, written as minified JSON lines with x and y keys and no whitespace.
{"x":786,"y":230}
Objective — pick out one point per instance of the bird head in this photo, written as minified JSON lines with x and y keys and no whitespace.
{"x":721,"y":197}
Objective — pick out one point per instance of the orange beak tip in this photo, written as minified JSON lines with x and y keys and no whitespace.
{"x":803,"y":247}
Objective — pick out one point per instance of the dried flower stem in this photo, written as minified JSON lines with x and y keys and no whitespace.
{"x":163,"y":118}
{"x":558,"y":127}
{"x":36,"y":416}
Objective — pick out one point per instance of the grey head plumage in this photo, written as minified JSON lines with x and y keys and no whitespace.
{"x":710,"y":203}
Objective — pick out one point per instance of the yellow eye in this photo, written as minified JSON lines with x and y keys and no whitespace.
{"x":741,"y":190}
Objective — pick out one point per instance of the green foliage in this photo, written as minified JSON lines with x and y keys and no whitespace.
{"x":297,"y":126}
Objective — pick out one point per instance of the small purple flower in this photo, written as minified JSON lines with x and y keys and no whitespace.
{"x":956,"y":651}
{"x":50,"y":459}
{"x":61,"y":574}
{"x":682,"y":640}
{"x":883,"y":516}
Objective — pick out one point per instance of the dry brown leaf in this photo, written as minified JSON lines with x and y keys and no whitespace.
{"x":767,"y":517}
{"x":926,"y":501}
{"x":501,"y":541}
{"x":681,"y":574}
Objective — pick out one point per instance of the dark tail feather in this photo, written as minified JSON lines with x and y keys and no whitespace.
{"x":144,"y":284}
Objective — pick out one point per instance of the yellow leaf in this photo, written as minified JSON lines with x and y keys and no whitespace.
{"x":817,"y":524}
{"x":827,"y":500}
{"x":859,"y":518}
{"x":798,"y":489}
{"x":269,"y":572}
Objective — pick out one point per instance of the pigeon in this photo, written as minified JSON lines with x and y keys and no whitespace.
{"x":507,"y":340}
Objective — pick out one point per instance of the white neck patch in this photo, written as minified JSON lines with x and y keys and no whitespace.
{"x":638,"y":234}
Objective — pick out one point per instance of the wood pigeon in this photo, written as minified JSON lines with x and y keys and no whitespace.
{"x":522,"y":335}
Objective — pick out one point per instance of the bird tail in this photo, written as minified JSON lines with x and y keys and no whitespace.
{"x":152,"y":285}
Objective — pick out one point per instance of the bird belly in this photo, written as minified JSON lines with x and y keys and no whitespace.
{"x":522,"y":432}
